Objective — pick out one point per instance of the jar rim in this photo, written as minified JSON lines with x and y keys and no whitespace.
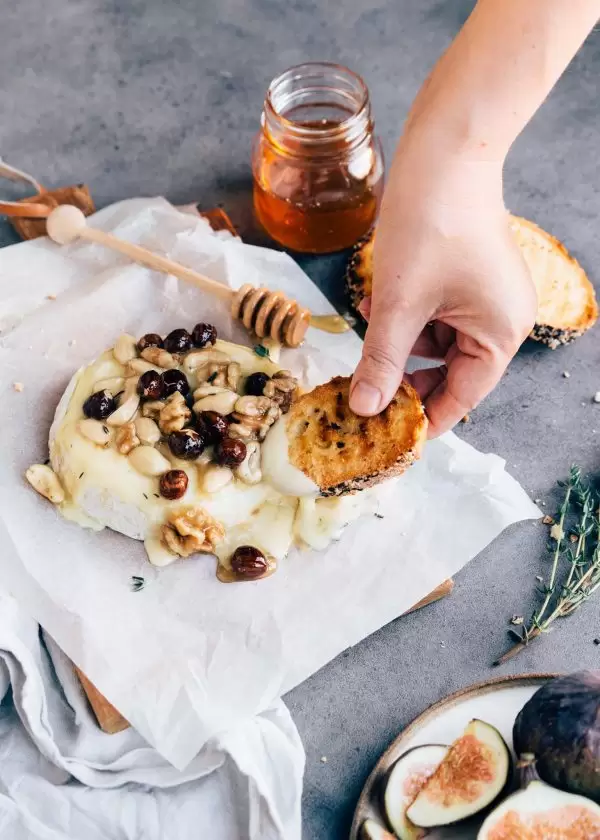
{"x":358,"y":94}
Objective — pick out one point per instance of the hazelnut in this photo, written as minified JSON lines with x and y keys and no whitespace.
{"x":99,"y":405}
{"x":186,"y":444}
{"x":149,"y":340}
{"x":213,"y":426}
{"x":230,"y":452}
{"x":178,"y":341}
{"x":173,"y":484}
{"x":204,"y":334}
{"x":175,"y":380}
{"x":255,"y":384}
{"x":248,"y":563}
{"x":150,"y":385}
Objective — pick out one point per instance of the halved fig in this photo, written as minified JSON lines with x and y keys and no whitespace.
{"x":371,"y":830}
{"x":567,"y":304}
{"x":473,"y":774}
{"x":406,"y":778}
{"x":540,"y":812}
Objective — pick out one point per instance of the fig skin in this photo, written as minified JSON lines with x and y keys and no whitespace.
{"x":560,"y":725}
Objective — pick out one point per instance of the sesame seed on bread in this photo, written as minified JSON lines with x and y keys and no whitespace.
{"x":342,"y":452}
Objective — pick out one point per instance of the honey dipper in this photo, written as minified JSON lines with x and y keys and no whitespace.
{"x":266,"y":313}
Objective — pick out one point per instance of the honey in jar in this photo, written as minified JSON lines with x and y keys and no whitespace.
{"x":317,"y":164}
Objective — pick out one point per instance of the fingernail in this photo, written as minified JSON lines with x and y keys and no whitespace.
{"x":365,"y":399}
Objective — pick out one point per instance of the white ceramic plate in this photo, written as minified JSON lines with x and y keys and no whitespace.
{"x":497,"y":702}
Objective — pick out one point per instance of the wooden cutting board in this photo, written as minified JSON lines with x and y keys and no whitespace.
{"x":109,"y":719}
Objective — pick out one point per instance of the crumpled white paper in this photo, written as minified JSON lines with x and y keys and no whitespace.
{"x":188,"y":658}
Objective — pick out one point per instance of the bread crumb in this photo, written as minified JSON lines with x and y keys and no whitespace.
{"x":547,"y":520}
{"x":18,"y":386}
{"x":465,"y":419}
{"x":516,"y":620}
{"x":50,"y":297}
{"x":556,"y":532}
{"x":566,"y":374}
{"x":323,"y":759}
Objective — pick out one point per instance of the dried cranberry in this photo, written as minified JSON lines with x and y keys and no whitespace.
{"x":186,"y":444}
{"x":255,"y":384}
{"x":178,"y":341}
{"x":213,"y":426}
{"x":175,"y":380}
{"x":150,"y":385}
{"x":204,"y":334}
{"x":248,"y":563}
{"x":99,"y":405}
{"x":149,"y":340}
{"x":173,"y":484}
{"x":230,"y":452}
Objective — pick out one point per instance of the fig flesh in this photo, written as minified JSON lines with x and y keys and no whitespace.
{"x":560,"y":725}
{"x":406,"y":778}
{"x":371,"y":830}
{"x":540,"y":812}
{"x":473,"y":774}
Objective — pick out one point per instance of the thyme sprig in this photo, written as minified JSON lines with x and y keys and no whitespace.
{"x":575,"y":549}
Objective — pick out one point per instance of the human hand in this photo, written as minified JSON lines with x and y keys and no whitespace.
{"x":449,"y":283}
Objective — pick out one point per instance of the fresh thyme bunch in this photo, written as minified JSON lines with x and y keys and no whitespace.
{"x":575,"y":568}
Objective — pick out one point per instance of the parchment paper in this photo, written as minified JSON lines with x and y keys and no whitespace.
{"x":187,"y":656}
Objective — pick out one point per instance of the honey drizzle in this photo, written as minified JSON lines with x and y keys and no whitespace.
{"x":335,"y":324}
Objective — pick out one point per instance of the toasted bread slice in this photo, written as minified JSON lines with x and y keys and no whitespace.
{"x":566,"y":300}
{"x":342,"y":452}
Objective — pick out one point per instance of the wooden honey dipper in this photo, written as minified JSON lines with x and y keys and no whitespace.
{"x":266,"y":313}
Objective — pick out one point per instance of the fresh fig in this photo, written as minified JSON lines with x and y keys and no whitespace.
{"x":475,"y":771}
{"x":560,"y":725}
{"x":539,"y":812}
{"x":405,"y":780}
{"x":371,"y":830}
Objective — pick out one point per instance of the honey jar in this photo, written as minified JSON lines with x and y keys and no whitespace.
{"x":317,"y":164}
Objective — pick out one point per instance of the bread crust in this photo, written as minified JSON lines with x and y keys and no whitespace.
{"x":344,"y":453}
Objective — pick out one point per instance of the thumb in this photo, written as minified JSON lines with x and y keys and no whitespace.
{"x":391,"y":335}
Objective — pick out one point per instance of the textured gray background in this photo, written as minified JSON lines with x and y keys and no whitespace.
{"x":145,"y":98}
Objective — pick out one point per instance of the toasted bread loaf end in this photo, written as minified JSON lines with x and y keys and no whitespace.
{"x":342,"y":452}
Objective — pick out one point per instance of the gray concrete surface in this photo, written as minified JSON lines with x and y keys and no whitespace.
{"x":142,"y":98}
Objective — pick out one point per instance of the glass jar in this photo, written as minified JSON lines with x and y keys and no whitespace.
{"x":317,"y":164}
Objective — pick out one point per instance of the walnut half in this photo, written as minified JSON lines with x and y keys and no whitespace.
{"x":126,"y":438}
{"x":191,"y":531}
{"x":174,"y":414}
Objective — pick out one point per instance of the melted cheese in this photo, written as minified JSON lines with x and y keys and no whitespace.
{"x":277,"y":468}
{"x":104,"y":490}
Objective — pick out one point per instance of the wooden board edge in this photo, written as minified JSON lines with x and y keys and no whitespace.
{"x":438,"y":593}
{"x":79,"y":195}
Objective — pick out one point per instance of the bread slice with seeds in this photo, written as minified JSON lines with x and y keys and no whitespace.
{"x":566,"y":299}
{"x":342,"y":452}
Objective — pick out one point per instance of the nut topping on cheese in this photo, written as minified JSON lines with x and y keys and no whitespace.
{"x":159,"y":421}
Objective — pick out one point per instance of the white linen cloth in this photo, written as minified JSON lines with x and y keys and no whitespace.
{"x":61,"y":778}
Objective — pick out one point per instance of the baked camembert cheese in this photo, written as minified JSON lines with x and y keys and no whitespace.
{"x":176,"y":441}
